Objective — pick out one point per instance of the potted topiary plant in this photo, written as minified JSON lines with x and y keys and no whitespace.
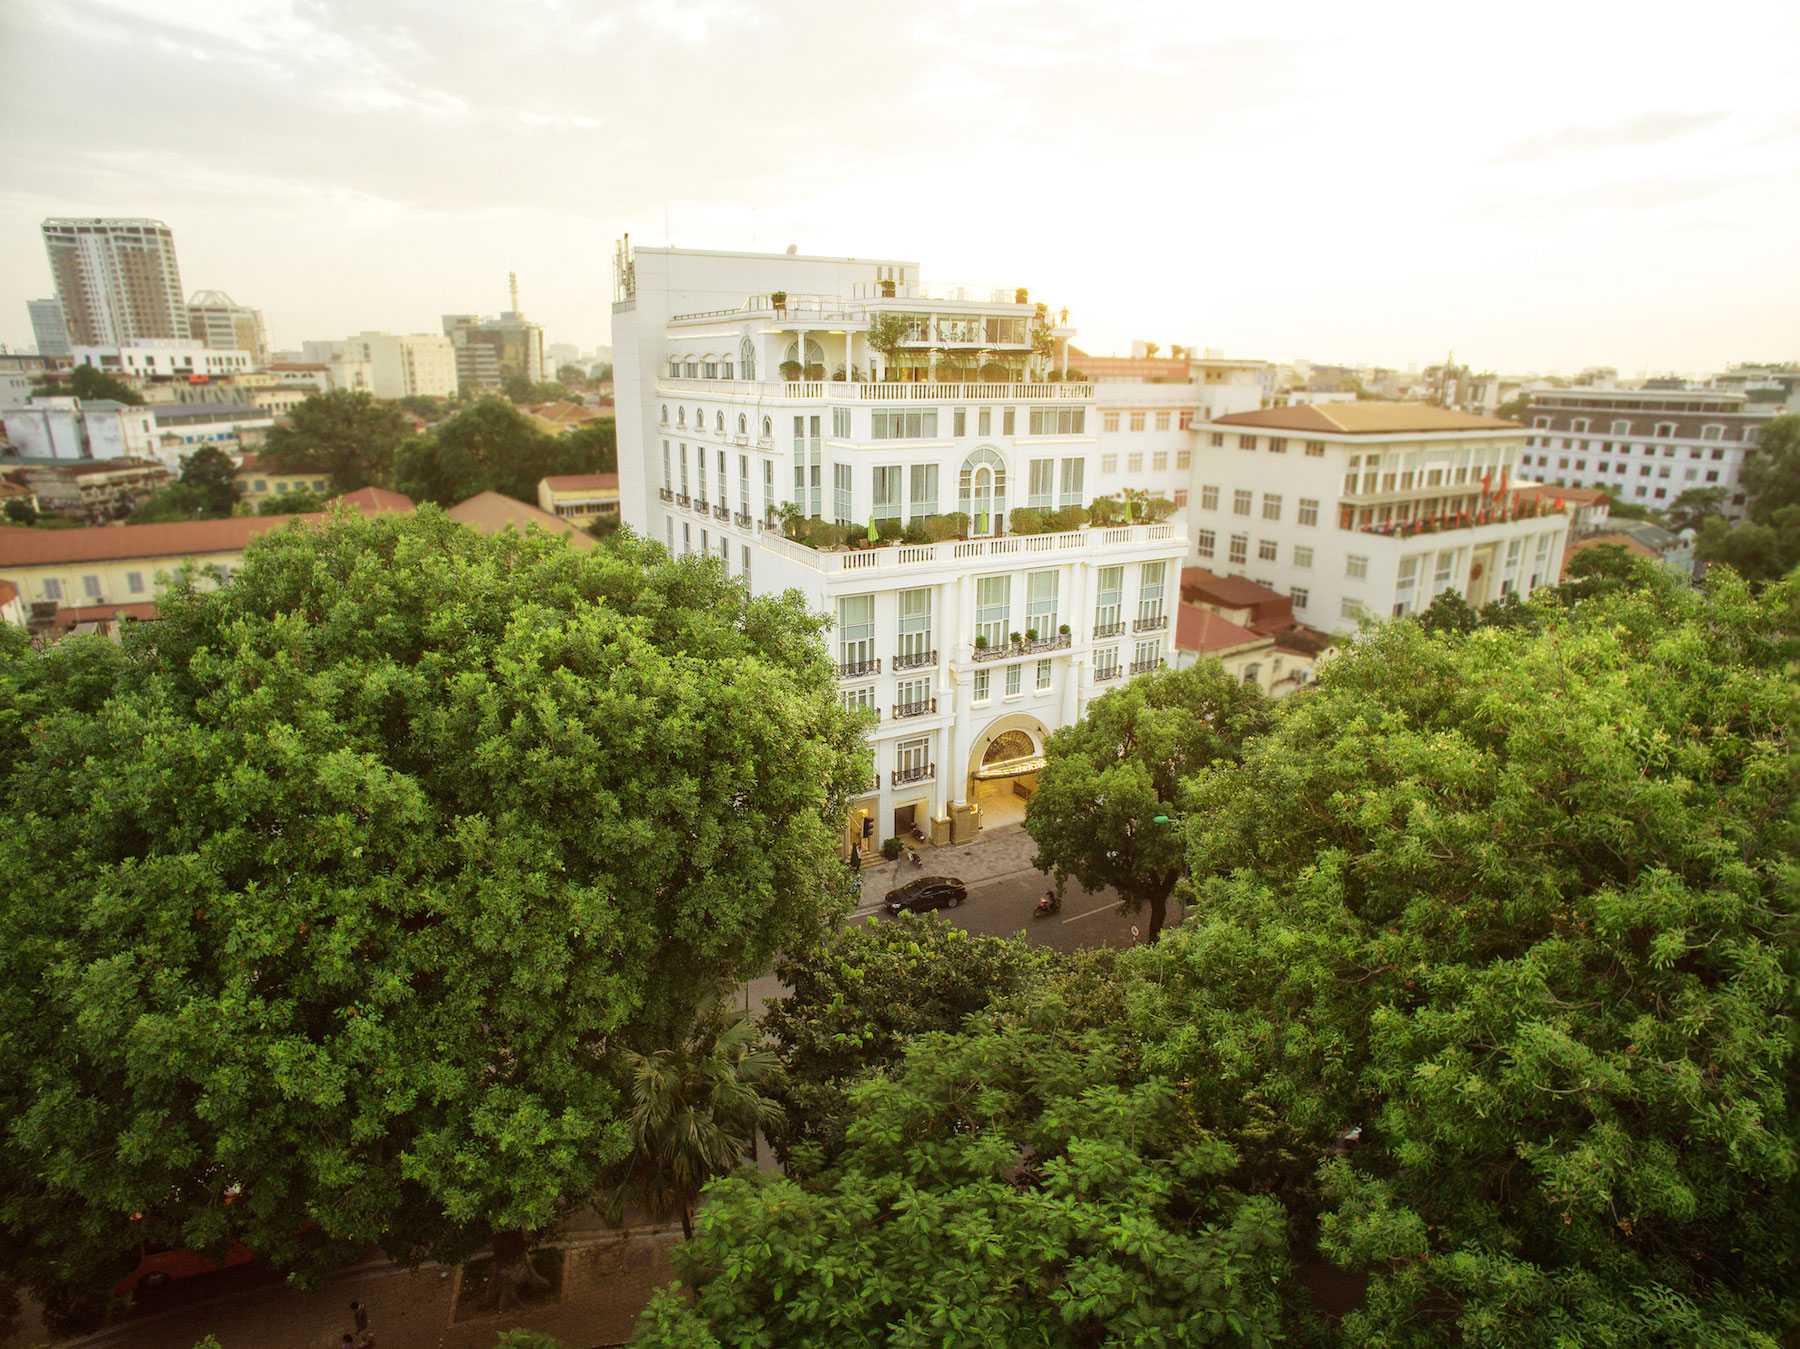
{"x":1021,"y":296}
{"x":1062,"y":629}
{"x":778,"y":301}
{"x":981,"y":641}
{"x":887,"y":289}
{"x":1016,"y":639}
{"x":1031,"y":634}
{"x":890,"y":849}
{"x":791,"y":371}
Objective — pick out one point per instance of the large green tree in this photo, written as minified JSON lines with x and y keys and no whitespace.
{"x":1018,"y":1185}
{"x":210,"y":472}
{"x":349,"y":433}
{"x":1107,"y":777}
{"x":493,"y":447}
{"x":854,"y":1001}
{"x":90,"y":383}
{"x":1771,"y":473}
{"x":1510,"y":919}
{"x":1767,"y":546}
{"x":344,"y":894}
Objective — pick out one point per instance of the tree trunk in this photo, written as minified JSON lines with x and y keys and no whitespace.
{"x":1158,"y":900}
{"x":687,"y":1222}
{"x":511,"y":1275}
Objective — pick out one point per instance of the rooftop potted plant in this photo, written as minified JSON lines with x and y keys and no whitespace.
{"x":1021,"y":296}
{"x":887,"y":288}
{"x":778,"y":301}
{"x":790,"y":371}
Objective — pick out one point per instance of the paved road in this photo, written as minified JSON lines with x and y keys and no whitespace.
{"x":1002,"y":907}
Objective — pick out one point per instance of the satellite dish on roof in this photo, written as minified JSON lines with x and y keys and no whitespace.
{"x":792,"y":249}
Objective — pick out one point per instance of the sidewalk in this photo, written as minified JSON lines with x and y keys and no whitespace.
{"x":1005,"y":851}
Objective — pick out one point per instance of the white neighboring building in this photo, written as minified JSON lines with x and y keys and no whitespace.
{"x":48,"y":329}
{"x":156,"y":359}
{"x":217,"y":321}
{"x":1644,"y":446}
{"x":712,"y":440}
{"x":1371,"y":509}
{"x":69,"y":428}
{"x":405,"y":364}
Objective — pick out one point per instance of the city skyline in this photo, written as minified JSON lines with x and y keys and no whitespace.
{"x":1371,"y":190}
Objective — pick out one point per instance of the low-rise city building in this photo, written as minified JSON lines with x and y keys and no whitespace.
{"x":1285,"y":652}
{"x":96,"y":492}
{"x":1367,"y":510}
{"x":258,"y":482}
{"x":217,"y":321}
{"x":403,"y":365}
{"x":49,"y":330}
{"x":580,"y":498}
{"x":80,"y":429}
{"x":1644,"y":446}
{"x":182,"y":428}
{"x":149,"y":360}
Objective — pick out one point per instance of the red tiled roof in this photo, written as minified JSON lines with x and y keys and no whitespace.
{"x":66,"y":619}
{"x":118,"y":543}
{"x":583,"y":482}
{"x":253,"y":464}
{"x":1365,"y":419}
{"x":375,"y":501}
{"x":491,"y":513}
{"x":1200,"y":629}
{"x":1630,"y":544}
{"x":1234,"y":592}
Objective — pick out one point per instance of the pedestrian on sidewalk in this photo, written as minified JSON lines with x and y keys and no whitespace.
{"x":359,"y":1314}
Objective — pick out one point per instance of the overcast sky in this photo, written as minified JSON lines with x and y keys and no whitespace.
{"x":1538,"y":186}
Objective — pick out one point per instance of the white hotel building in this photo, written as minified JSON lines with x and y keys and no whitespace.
{"x":1369,"y":509}
{"x":713,"y":440}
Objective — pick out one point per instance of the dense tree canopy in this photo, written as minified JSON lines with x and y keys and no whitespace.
{"x":1486,"y":997}
{"x":1109,"y":776}
{"x":343,"y":891}
{"x":493,"y":447}
{"x":856,"y":998}
{"x":91,"y":383}
{"x":349,"y":433}
{"x":1767,"y":546}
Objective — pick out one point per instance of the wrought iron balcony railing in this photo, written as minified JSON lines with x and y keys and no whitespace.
{"x":1054,"y":642}
{"x":1139,"y":667}
{"x":666,"y":493}
{"x":1153,"y":624}
{"x":741,"y":519}
{"x":855,"y":669}
{"x":684,"y":500}
{"x":1106,"y":630}
{"x":915,"y":660}
{"x":1104,"y":673}
{"x":921,"y":709}
{"x":902,"y":776}
{"x":721,"y":512}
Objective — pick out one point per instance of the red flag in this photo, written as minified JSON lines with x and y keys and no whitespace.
{"x":1484,"y":483}
{"x":1559,"y":505}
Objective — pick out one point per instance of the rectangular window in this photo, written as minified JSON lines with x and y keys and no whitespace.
{"x":1137,"y":421}
{"x":684,"y":472}
{"x":858,"y":700}
{"x":912,"y":692}
{"x":1106,"y":663}
{"x":1271,"y":506}
{"x":1266,"y":550}
{"x":1303,"y":557}
{"x":1309,"y":510}
{"x":909,"y":425}
{"x":1246,"y":442}
{"x":960,"y":422}
{"x":90,"y":586}
{"x":1315,"y":449}
{"x":983,"y":686}
{"x":856,"y":632}
{"x":1013,"y":680}
{"x":1162,"y":421}
{"x":1352,"y":609}
{"x":1240,"y":501}
{"x":1043,"y":675}
{"x":1205,"y":541}
{"x":1006,"y":421}
{"x":768,"y":486}
{"x":915,"y":625}
{"x":1218,"y":440}
{"x":984,"y":421}
{"x":1240,"y":549}
{"x":841,"y":493}
{"x":1356,"y":568}
{"x":1109,"y":591}
{"x":1299,"y":595}
{"x":134,"y":582}
{"x":840,"y":423}
{"x":1146,"y":657}
{"x":1109,"y":421}
{"x":924,"y":490}
{"x":1277,"y":445}
{"x":1109,"y":463}
{"x":1042,"y":490}
{"x":671,"y":525}
{"x":1040,"y":603}
{"x":745,"y":550}
{"x":53,"y":589}
{"x":1186,"y":419}
{"x":1406,"y":586}
{"x":993,"y":609}
{"x":1058,"y":421}
{"x":1180,"y":497}
{"x":1150,"y":591}
{"x":1159,"y":462}
{"x":1209,"y":498}
{"x":1184,"y":459}
{"x":1134,"y":462}
{"x":668,"y":473}
{"x":913,"y":757}
{"x":886,"y":499}
{"x":687,"y":537}
{"x":744,"y":484}
{"x":1074,"y":473}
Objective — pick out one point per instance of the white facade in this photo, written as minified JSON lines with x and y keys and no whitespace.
{"x":166,"y":360}
{"x":68,"y":428}
{"x":713,"y":441}
{"x":402,"y":365}
{"x":1369,"y":510}
{"x":1644,"y":446}
{"x":216,"y":320}
{"x":48,"y":329}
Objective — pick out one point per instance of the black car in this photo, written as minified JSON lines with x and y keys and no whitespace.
{"x":927,"y":893}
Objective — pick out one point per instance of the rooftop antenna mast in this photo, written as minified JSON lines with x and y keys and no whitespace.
{"x":512,"y":286}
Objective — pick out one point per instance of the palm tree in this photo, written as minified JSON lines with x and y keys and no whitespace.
{"x":695,"y":1112}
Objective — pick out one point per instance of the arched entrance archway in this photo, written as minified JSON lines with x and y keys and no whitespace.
{"x":1003,"y":767}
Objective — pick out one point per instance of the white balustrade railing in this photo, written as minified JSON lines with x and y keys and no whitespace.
{"x":841,"y":391}
{"x":961,"y":551}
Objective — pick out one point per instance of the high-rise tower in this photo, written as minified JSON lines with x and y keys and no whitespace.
{"x":117,"y":280}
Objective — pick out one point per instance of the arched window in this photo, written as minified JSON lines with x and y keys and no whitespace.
{"x":665,"y":420}
{"x":743,"y":425}
{"x":719,"y":422}
{"x":815,"y":354}
{"x":981,"y":491}
{"x":700,"y":418}
{"x":674,"y":367}
{"x":681,"y":416}
{"x":746,"y":359}
{"x":768,"y":429}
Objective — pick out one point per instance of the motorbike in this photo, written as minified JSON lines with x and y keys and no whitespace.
{"x":912,"y":855}
{"x":1049,"y":904}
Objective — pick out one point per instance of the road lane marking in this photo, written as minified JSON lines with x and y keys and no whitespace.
{"x":1111,"y":904}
